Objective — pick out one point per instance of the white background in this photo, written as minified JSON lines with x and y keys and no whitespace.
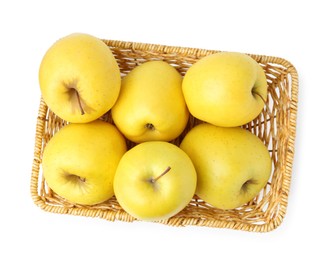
{"x":295,"y":30}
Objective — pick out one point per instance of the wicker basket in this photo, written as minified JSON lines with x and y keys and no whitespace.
{"x":276,"y":126}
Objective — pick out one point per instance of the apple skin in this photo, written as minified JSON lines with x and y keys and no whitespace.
{"x":79,"y":68}
{"x":151,"y":106}
{"x":232,"y":164}
{"x":225,"y":89}
{"x":80,"y":160}
{"x":163,"y":198}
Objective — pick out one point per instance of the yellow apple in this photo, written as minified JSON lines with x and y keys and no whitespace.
{"x":225,"y":89}
{"x":80,"y":160}
{"x":79,"y":78}
{"x":151,"y":106}
{"x":154,"y":181}
{"x":232,"y":164}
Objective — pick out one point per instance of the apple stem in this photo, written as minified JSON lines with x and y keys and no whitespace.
{"x":267,"y":107}
{"x":153,"y":180}
{"x":255,"y":93}
{"x":79,"y":103}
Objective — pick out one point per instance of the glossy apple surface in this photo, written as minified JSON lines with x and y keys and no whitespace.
{"x":151,"y":106}
{"x":225,"y":89}
{"x":154,"y":181}
{"x":80,"y":160}
{"x":232,"y":164}
{"x":79,"y":78}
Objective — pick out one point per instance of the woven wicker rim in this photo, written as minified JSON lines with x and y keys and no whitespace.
{"x":277,"y":213}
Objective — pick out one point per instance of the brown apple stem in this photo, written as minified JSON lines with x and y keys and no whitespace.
{"x":153,"y":180}
{"x":82,"y":179}
{"x":255,"y":93}
{"x":79,"y":103}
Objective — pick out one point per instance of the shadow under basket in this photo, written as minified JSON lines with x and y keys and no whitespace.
{"x":275,"y":126}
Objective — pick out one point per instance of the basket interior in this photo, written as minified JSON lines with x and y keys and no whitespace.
{"x":273,"y":126}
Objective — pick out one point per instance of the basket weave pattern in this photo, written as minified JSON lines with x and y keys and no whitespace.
{"x":275,"y":126}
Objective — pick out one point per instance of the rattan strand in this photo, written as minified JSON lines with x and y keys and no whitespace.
{"x":275,"y":126}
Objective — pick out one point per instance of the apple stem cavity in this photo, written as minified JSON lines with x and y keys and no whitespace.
{"x":153,"y":180}
{"x":150,"y":126}
{"x":246,"y":184}
{"x":74,"y":177}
